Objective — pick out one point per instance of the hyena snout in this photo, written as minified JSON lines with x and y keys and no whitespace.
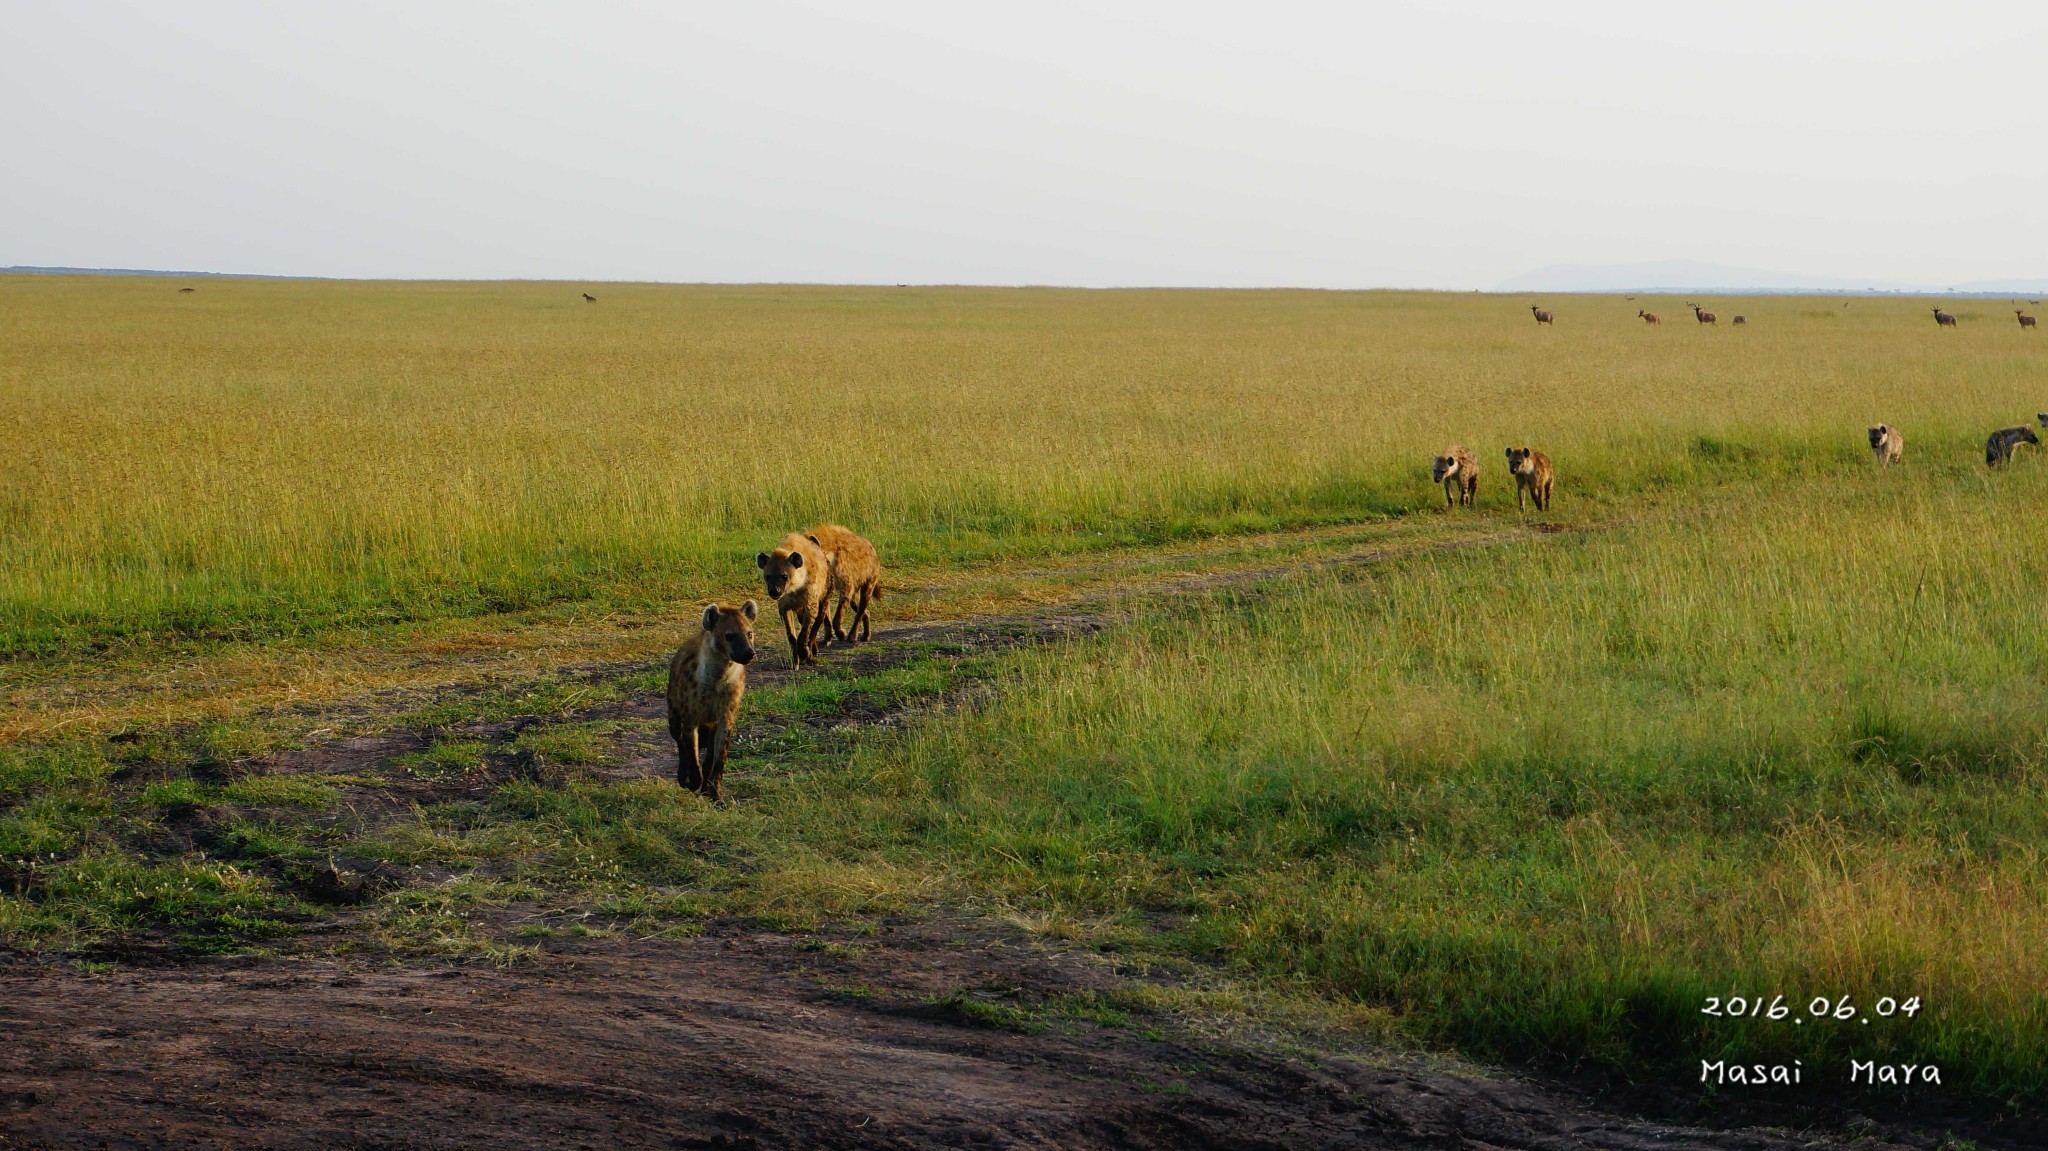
{"x":1445,"y":465}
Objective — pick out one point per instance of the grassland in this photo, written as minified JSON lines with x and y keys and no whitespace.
{"x":1761,"y":720}
{"x":260,"y":459}
{"x":1548,"y":800}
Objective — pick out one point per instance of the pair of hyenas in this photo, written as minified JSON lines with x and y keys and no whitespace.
{"x":1458,"y":471}
{"x":708,"y":675}
{"x":1889,"y":446}
{"x":804,"y":572}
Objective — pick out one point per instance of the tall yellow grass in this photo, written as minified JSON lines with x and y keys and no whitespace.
{"x":282,"y":454}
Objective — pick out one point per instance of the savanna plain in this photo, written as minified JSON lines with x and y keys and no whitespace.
{"x":336,"y":618}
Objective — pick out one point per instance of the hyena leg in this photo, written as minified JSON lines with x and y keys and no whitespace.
{"x":711,"y":757}
{"x":796,"y":636}
{"x":861,"y":626}
{"x":687,"y":773}
{"x":839,"y":613}
{"x":812,"y":625}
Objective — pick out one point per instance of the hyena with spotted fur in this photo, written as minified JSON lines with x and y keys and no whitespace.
{"x":856,"y":578}
{"x":1458,"y":471}
{"x":798,"y":578}
{"x":1998,"y":449}
{"x":706,"y":679}
{"x":1533,"y":474}
{"x":1887,"y":444}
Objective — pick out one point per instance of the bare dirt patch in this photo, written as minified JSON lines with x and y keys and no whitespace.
{"x":733,"y":1039}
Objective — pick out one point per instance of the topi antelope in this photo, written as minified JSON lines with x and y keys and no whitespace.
{"x":1648,"y":317}
{"x":589,"y":299}
{"x":2026,"y":321}
{"x":1702,"y":315}
{"x":1943,"y":319}
{"x":1542,"y":317}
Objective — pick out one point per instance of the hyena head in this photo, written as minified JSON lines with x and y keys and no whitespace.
{"x":2027,"y":434}
{"x":2043,"y":417}
{"x":1878,"y":432}
{"x":732,"y":629}
{"x":782,"y":570}
{"x":1519,"y":461}
{"x":1446,"y":467}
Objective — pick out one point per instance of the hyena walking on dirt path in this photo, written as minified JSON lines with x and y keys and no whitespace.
{"x":706,"y":679}
{"x":856,"y":577}
{"x":797,"y":578}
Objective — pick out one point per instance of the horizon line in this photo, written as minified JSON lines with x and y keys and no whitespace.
{"x":1648,"y":290}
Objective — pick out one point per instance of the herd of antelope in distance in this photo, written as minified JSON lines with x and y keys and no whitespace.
{"x":1941,"y":319}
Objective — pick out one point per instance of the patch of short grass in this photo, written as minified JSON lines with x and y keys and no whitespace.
{"x":443,"y":759}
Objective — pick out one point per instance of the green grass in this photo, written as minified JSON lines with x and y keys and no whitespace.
{"x":1780,"y":729}
{"x":1543,"y":801}
{"x":1537,"y":801}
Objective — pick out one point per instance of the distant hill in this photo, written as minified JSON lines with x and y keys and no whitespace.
{"x":1682,"y":276}
{"x":27,"y":270}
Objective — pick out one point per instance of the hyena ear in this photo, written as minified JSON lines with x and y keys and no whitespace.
{"x":750,"y":609}
{"x":710,"y":616}
{"x":814,"y":539}
{"x":760,"y":559}
{"x":796,"y":559}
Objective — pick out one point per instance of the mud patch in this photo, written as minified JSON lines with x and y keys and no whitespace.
{"x":731,"y":1039}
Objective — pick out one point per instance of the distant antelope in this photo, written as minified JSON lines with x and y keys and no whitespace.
{"x":2026,"y":321}
{"x":1703,"y":316}
{"x":589,"y":299}
{"x":1943,"y":319}
{"x":195,"y":289}
{"x":1542,"y":317}
{"x":1739,"y":320}
{"x":1648,"y":317}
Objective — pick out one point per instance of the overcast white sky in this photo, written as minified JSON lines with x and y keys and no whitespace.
{"x":1445,"y":144}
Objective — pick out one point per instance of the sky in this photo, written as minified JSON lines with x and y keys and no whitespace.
{"x":1449,"y":144}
